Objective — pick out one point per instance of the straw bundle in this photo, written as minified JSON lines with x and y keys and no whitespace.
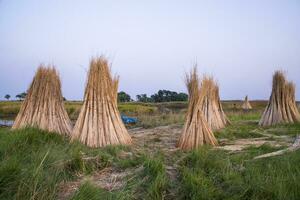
{"x":99,"y":122}
{"x":196,"y":131}
{"x":246,"y":105}
{"x":43,"y":106}
{"x":211,"y":106}
{"x":282,"y":105}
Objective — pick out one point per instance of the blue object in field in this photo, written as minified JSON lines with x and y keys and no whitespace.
{"x":128,"y":120}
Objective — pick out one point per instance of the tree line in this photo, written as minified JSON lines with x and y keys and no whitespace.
{"x":160,"y":96}
{"x":20,"y":96}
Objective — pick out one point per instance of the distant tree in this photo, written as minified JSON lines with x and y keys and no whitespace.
{"x":18,"y":96}
{"x":163,"y":96}
{"x":182,"y":96}
{"x":143,"y":98}
{"x":166,"y":96}
{"x":7,"y":97}
{"x":64,"y":99}
{"x":123,"y":97}
{"x":21,"y":96}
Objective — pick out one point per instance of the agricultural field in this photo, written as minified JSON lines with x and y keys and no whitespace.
{"x":35,"y":164}
{"x":149,"y":100}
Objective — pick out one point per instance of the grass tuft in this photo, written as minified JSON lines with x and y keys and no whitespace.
{"x":214,"y":174}
{"x":34,"y":162}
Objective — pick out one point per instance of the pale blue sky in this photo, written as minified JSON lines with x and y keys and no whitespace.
{"x":152,"y":43}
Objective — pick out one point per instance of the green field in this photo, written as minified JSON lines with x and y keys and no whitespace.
{"x":149,"y":114}
{"x":35,"y":164}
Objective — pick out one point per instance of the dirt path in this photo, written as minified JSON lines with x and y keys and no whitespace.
{"x":161,"y":138}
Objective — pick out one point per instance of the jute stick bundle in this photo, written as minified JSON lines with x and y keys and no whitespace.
{"x":99,"y":122}
{"x":43,"y":106}
{"x":211,"y":106}
{"x":246,"y":104}
{"x":282,"y":105}
{"x":196,"y":131}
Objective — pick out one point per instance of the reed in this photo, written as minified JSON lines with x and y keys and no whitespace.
{"x":196,"y":131}
{"x":246,"y":104}
{"x":211,"y":105}
{"x":282,"y":106}
{"x":99,"y":122}
{"x":43,"y":106}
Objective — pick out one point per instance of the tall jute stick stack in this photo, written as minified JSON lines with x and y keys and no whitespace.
{"x":99,"y":122}
{"x":211,"y":106}
{"x":43,"y":106}
{"x":196,"y":131}
{"x":246,"y":104}
{"x":282,"y":105}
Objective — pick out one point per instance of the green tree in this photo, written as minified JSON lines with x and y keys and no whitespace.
{"x":166,"y":96}
{"x":123,"y":97}
{"x":143,"y":98}
{"x":7,"y":97}
{"x":21,"y":96}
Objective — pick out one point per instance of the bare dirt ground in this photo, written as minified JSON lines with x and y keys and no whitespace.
{"x":162,"y":139}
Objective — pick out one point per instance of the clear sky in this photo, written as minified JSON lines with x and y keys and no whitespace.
{"x":152,"y":43}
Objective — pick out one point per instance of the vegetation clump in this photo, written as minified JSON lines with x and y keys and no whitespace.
{"x":208,"y":173}
{"x":35,"y":163}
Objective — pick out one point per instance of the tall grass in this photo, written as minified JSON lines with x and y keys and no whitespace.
{"x":284,"y":129}
{"x":34,"y":162}
{"x":212,"y":174}
{"x":239,"y":115}
{"x":9,"y":109}
{"x":91,"y":192}
{"x":149,"y":183}
{"x":239,"y":129}
{"x":157,"y":182}
{"x":151,"y":121}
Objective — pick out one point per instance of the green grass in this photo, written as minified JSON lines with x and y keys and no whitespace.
{"x":284,"y":129}
{"x":150,"y":183}
{"x":10,"y":109}
{"x":136,"y":109}
{"x":214,"y":174}
{"x":239,"y":115}
{"x":239,"y":129}
{"x":34,"y":162}
{"x":91,"y":192}
{"x":151,"y":121}
{"x":157,"y":181}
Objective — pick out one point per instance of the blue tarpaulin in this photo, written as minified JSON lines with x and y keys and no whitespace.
{"x":128,"y":120}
